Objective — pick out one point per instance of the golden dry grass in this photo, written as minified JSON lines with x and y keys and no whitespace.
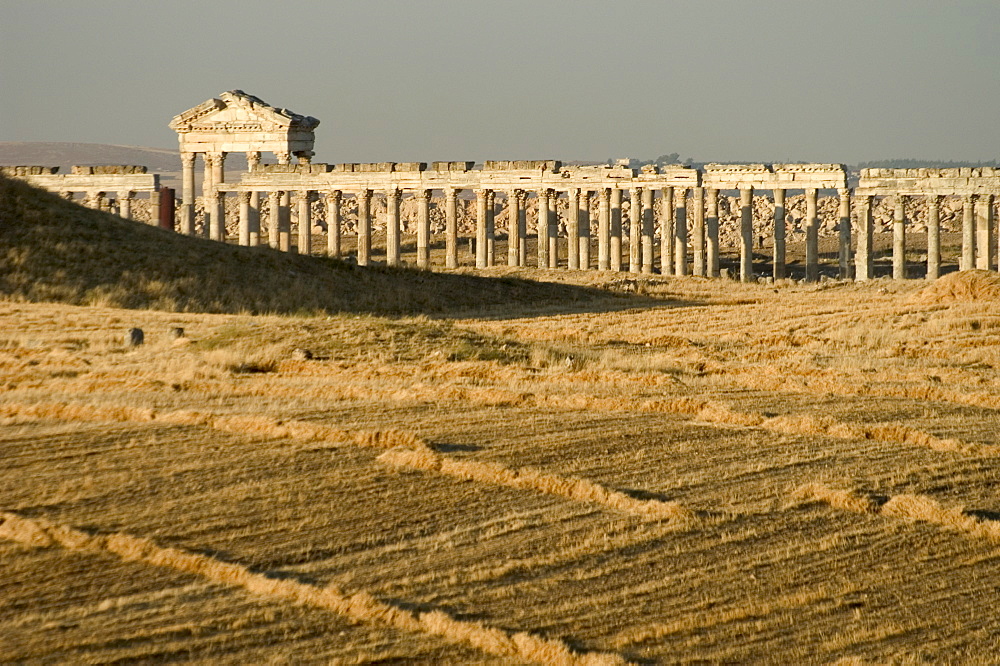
{"x":715,"y":472}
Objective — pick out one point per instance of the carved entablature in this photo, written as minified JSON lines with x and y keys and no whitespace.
{"x":521,"y":165}
{"x":777,"y":176}
{"x":238,"y":122}
{"x":962,"y":181}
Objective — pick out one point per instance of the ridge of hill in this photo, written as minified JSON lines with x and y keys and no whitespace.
{"x":65,"y":154}
{"x":55,"y":250}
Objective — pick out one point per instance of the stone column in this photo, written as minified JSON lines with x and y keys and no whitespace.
{"x":364,"y":200}
{"x":634,"y":229}
{"x":647,"y":230}
{"x":712,"y":231}
{"x":482,"y":201}
{"x":779,"y":234}
{"x":284,"y":219}
{"x":491,"y":228}
{"x":217,"y":204}
{"x":844,"y":227}
{"x":698,"y":230}
{"x":667,"y":231}
{"x":746,"y":235}
{"x":154,"y":206}
{"x":812,"y":237}
{"x":244,"y":198}
{"x":899,"y":239}
{"x":522,"y":228}
{"x":968,"y":260}
{"x":254,"y":219}
{"x":285,"y":222}
{"x":984,"y":232}
{"x":863,"y":259}
{"x":451,"y":228}
{"x":333,"y":201}
{"x":680,"y":231}
{"x":423,"y":199}
{"x":933,"y":237}
{"x":392,"y":257}
{"x":543,"y":229}
{"x":615,"y":245}
{"x":125,"y":204}
{"x":553,"y":229}
{"x":604,"y":230}
{"x":187,"y":193}
{"x":207,"y":190}
{"x":273,"y":218}
{"x":304,"y":199}
{"x":585,"y":229}
{"x":513,"y":228}
{"x":219,"y":169}
{"x":253,"y":161}
{"x":573,"y":229}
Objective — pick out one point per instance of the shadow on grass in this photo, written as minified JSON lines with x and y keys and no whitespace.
{"x":60,"y":251}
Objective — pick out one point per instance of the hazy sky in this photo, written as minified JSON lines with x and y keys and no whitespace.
{"x":841,"y":81}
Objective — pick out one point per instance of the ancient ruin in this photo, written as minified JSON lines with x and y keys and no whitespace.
{"x":646,"y":220}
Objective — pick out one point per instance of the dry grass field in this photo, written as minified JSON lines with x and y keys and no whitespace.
{"x":692,"y":471}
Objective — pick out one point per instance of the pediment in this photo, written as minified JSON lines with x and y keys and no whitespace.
{"x":236,"y":111}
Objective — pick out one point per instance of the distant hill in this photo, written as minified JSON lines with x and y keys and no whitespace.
{"x":66,"y":154}
{"x":55,"y":250}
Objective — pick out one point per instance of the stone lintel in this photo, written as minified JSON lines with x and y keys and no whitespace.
{"x":453,"y":166}
{"x":122,"y":182}
{"x":106,"y":169}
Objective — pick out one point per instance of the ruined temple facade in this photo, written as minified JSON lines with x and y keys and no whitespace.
{"x":235,"y":122}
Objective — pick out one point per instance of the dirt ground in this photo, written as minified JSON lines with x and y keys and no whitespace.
{"x":719,"y":473}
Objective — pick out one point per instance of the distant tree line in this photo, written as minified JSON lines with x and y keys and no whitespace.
{"x":916,"y":164}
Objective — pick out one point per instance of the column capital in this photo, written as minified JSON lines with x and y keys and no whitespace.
{"x":244,"y":197}
{"x":284,"y":158}
{"x":274,"y":194}
{"x":126,"y":194}
{"x":253,"y":158}
{"x":422,"y":195}
{"x":334,"y":196}
{"x":187,"y":159}
{"x":451,"y":193}
{"x":843,"y":192}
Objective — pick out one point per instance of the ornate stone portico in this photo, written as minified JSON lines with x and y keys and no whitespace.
{"x":234,"y":122}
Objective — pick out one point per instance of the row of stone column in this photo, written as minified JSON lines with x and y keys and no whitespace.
{"x":676,"y":235}
{"x":214,"y":175}
{"x":98,"y":200}
{"x":613,"y":244}
{"x":977,"y":236}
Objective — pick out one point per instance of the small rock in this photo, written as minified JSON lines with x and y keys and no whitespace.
{"x":134,"y":337}
{"x":176,"y":333}
{"x":302,"y":355}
